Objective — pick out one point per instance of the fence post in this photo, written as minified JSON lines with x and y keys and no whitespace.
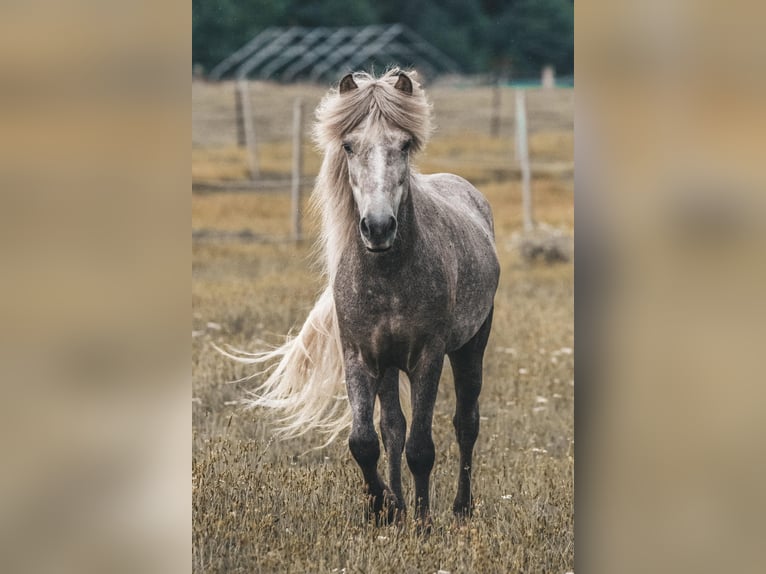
{"x":522,"y":154}
{"x":243,"y":96}
{"x":239,"y":120}
{"x":548,"y":79}
{"x":297,"y":167}
{"x":494,"y":125}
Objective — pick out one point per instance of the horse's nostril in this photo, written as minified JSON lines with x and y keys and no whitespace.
{"x":364,"y":227}
{"x":377,"y":230}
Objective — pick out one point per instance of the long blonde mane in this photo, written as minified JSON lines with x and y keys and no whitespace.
{"x":379,"y":103}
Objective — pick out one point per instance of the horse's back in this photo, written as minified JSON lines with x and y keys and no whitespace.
{"x":461,"y":196}
{"x":459,"y":219}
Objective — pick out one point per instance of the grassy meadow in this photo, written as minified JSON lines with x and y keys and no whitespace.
{"x":263,"y":504}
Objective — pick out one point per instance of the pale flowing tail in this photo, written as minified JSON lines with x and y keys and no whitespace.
{"x":306,"y":383}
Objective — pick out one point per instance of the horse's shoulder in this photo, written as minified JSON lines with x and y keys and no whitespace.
{"x":453,"y":187}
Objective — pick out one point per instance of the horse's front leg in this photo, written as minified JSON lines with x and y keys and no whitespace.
{"x":393,"y":427}
{"x":363,"y":442}
{"x":420,"y":452}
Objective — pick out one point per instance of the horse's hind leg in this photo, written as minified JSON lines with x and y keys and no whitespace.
{"x":363,"y":441}
{"x":467,"y":370}
{"x":393,"y":427}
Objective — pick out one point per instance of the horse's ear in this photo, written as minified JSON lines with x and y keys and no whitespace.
{"x":404,"y":84}
{"x":347,"y":84}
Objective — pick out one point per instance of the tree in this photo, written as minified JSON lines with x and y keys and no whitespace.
{"x":330,"y":13}
{"x":480,"y":35}
{"x":456,"y":27}
{"x":221,"y":26}
{"x":530,"y":34}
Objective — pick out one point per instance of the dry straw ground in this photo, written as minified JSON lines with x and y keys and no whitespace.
{"x":266,"y":505}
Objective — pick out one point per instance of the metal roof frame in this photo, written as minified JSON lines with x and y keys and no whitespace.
{"x":323,"y":53}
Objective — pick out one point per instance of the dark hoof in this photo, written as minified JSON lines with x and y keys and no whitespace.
{"x":462,"y":510}
{"x":386,"y":509}
{"x":424,"y":526}
{"x":390,"y":515}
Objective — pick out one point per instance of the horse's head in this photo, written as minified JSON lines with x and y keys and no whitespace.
{"x":378,"y":153}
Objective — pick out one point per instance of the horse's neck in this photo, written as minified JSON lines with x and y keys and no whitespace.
{"x":408,"y":231}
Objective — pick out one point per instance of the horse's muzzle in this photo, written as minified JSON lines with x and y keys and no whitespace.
{"x":378,"y":233}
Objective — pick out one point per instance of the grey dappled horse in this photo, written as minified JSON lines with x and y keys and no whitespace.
{"x":412,"y":273}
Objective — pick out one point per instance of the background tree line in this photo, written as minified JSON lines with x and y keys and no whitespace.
{"x":506,"y":37}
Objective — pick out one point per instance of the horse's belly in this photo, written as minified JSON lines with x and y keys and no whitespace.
{"x":467,"y":324}
{"x":475,"y":297}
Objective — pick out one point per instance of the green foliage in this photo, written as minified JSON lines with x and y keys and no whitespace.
{"x":330,"y":13}
{"x":221,"y":26}
{"x":500,"y":36}
{"x":529,"y":34}
{"x":456,"y":27}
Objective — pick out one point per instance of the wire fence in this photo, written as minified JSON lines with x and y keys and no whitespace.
{"x":256,"y":136}
{"x":458,"y":110}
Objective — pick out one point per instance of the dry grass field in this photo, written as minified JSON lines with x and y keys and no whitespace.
{"x":268,"y":505}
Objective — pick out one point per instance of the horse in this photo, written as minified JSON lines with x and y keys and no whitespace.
{"x":411,"y":274}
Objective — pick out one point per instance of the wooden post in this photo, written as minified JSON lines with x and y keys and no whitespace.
{"x":548,"y":79}
{"x":243,"y":89}
{"x":494,"y":125}
{"x":297,"y":167}
{"x":240,"y":121}
{"x":522,"y":154}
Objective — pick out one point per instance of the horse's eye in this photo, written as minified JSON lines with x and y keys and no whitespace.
{"x":406,"y":145}
{"x":347,"y":147}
